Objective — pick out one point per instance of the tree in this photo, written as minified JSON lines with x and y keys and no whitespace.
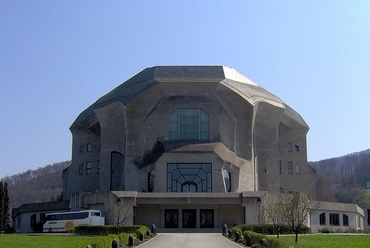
{"x":119,"y":213}
{"x":4,"y":206}
{"x":298,"y":207}
{"x":276,"y":211}
{"x":259,"y":211}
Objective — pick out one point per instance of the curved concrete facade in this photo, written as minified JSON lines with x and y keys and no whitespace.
{"x":237,"y":136}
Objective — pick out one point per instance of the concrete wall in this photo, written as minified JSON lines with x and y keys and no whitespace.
{"x":355,"y":221}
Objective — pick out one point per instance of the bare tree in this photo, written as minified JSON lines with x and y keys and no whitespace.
{"x":119,"y":212}
{"x":275,"y":210}
{"x":299,"y":206}
{"x":260,"y":211}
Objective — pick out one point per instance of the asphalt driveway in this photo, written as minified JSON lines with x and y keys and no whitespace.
{"x":189,"y":240}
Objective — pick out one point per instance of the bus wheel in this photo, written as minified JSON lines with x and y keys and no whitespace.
{"x":50,"y":230}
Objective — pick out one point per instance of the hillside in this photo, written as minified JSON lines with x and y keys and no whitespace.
{"x":355,"y":165}
{"x":33,"y":186}
{"x":343,"y":179}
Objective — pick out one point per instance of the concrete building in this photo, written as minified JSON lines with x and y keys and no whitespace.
{"x":186,"y":147}
{"x":188,"y":142}
{"x":338,"y":217}
{"x":30,"y":217}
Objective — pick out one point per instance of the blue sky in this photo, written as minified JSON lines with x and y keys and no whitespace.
{"x":58,"y":57}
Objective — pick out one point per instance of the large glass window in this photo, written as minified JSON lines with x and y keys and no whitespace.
{"x":189,"y":124}
{"x":334,"y":219}
{"x":206,"y":218}
{"x":189,"y":177}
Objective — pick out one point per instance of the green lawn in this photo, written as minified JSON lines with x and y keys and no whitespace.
{"x":332,"y":241}
{"x":48,"y":241}
{"x":51,"y":241}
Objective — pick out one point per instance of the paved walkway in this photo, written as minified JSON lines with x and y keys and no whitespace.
{"x":189,"y":240}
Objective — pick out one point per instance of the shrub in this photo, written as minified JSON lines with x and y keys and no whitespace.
{"x":123,"y":238}
{"x":69,"y":226}
{"x":271,"y":241}
{"x":236,"y":229}
{"x":141,"y":229}
{"x":104,"y":242}
{"x":255,"y":237}
{"x":326,"y":230}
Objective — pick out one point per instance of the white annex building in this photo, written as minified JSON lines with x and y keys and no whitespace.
{"x":188,"y":147}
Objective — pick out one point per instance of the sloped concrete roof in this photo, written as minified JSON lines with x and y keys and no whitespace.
{"x":340,"y":207}
{"x":151,"y":76}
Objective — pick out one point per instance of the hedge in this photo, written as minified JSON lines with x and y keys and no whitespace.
{"x":271,"y":230}
{"x":108,"y":229}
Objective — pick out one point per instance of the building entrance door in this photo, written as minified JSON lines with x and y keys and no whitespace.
{"x":189,"y":218}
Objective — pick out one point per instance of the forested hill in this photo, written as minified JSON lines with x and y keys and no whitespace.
{"x":354,"y":165}
{"x":41,"y":185}
{"x":343,"y":179}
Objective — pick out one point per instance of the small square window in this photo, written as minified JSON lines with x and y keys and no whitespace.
{"x":88,"y":167}
{"x":296,"y":148}
{"x":89,"y":146}
{"x":82,"y":148}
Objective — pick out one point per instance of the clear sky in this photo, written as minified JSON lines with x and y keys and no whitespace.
{"x":58,"y":57}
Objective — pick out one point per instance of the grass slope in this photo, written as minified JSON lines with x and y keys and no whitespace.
{"x":332,"y":241}
{"x":48,"y":241}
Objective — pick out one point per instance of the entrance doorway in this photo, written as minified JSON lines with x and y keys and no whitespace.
{"x":189,"y":218}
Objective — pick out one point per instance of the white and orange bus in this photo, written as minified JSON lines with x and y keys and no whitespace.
{"x":55,"y":222}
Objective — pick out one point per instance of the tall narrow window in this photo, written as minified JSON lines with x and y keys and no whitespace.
{"x":189,"y":124}
{"x":227,"y":180}
{"x":88,"y":167}
{"x":290,"y":147}
{"x":81,"y":169}
{"x":89,"y":147}
{"x":322,"y":219}
{"x":290,"y":167}
{"x":151,"y":178}
{"x":98,"y":169}
{"x":345,"y":220}
{"x":297,"y":169}
{"x":280,"y":167}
